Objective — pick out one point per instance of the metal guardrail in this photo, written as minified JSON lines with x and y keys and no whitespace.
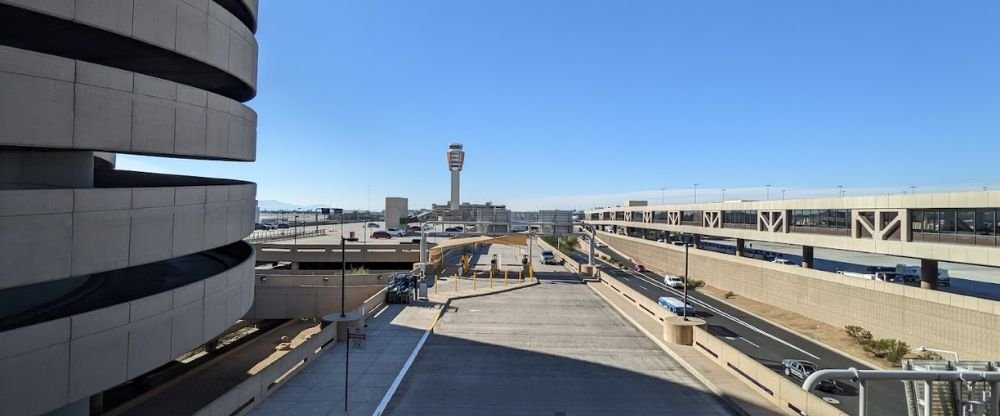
{"x":264,"y":236}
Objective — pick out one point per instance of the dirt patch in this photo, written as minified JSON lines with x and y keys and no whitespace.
{"x":828,"y":334}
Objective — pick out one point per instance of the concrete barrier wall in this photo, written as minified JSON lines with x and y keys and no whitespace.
{"x":640,"y":301}
{"x":784,"y":394}
{"x":288,"y":302}
{"x":916,"y":316}
{"x":252,"y":391}
{"x":330,"y":253}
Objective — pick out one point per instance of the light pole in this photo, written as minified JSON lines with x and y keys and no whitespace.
{"x":696,"y":193}
{"x":768,"y":192}
{"x":343,"y":264}
{"x":662,"y":199}
{"x":782,"y":194}
{"x":723,"y":195}
{"x":913,"y":189}
{"x":295,"y":232}
{"x":840,"y":191}
{"x":686,"y":280}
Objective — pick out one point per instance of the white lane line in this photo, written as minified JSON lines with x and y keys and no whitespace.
{"x":402,"y":373}
{"x":644,"y":287}
{"x":627,"y":279}
{"x":724,"y":314}
{"x":748,"y":342}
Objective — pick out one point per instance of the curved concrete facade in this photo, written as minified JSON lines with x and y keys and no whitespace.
{"x":51,"y":234}
{"x":199,"y":29}
{"x":106,"y":275}
{"x":55,"y":102}
{"x":62,"y":361}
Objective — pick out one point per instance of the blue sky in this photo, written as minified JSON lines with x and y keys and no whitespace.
{"x":573,"y":104}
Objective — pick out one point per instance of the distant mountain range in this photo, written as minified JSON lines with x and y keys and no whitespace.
{"x":272,"y":205}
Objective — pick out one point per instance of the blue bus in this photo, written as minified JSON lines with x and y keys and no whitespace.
{"x":676,"y":306}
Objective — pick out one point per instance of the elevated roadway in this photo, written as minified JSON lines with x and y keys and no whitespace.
{"x":766,"y":343}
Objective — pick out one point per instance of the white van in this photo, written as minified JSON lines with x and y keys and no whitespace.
{"x":673,"y":281}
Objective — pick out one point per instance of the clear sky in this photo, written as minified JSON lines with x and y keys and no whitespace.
{"x":576,"y":103}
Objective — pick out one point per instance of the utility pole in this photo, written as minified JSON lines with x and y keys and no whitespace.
{"x":768,"y":192}
{"x":696,"y":193}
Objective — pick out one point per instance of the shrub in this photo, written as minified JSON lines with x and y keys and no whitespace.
{"x":730,"y":295}
{"x":929,"y":356}
{"x":858,"y":333}
{"x":355,"y":271}
{"x":695,"y":283}
{"x":896,"y":351}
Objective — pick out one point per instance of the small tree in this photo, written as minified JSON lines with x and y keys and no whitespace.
{"x":896,"y":350}
{"x":858,"y":333}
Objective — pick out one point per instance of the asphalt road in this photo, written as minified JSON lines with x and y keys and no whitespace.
{"x":764,"y":342}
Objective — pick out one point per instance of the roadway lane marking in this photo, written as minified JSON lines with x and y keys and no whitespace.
{"x":748,"y":342}
{"x":644,"y":287}
{"x":406,"y":367}
{"x":724,"y":314}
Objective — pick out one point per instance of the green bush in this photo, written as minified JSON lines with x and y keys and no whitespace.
{"x":730,"y":295}
{"x":877,"y":347}
{"x":695,"y":283}
{"x":858,"y":333}
{"x":897,"y":351}
{"x":929,"y":356}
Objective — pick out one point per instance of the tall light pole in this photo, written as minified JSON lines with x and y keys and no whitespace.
{"x":696,"y":193}
{"x":686,"y":280}
{"x":913,"y":189}
{"x":723,"y":195}
{"x":295,"y":231}
{"x":782,"y":194}
{"x":768,"y":198}
{"x":662,"y":199}
{"x":840,"y":191}
{"x":343,"y":264}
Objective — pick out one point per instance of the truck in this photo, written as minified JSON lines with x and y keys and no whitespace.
{"x":880,"y":276}
{"x":912,"y":274}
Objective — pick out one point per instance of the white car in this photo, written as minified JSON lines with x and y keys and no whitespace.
{"x":599,"y":244}
{"x":673,"y":281}
{"x":396,"y":232}
{"x":782,"y":261}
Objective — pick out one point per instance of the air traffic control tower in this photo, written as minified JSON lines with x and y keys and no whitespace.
{"x":456,"y":158}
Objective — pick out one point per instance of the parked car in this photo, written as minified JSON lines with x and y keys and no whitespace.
{"x":395,"y":232}
{"x":801,"y":369}
{"x":639,"y":268}
{"x":676,"y":306}
{"x":284,"y":225}
{"x":673,"y":281}
{"x":452,"y":230}
{"x":270,"y":226}
{"x":259,"y":226}
{"x":372,"y":225}
{"x":381,"y":234}
{"x":414,"y":229}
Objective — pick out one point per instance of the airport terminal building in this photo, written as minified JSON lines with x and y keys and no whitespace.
{"x":107,"y":274}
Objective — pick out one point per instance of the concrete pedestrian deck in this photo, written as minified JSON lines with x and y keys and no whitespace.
{"x":554,"y":348}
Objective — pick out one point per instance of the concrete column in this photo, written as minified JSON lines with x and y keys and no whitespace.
{"x":928,"y":274}
{"x":697,"y":241}
{"x":740,"y":245}
{"x":455,"y":189}
{"x":808,"y":260}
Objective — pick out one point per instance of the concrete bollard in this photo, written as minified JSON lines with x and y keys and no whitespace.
{"x":680,"y":332}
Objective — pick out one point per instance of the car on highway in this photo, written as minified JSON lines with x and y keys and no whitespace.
{"x":372,"y":225}
{"x":547,"y":257}
{"x":801,"y":369}
{"x":599,"y":244}
{"x":673,"y":281}
{"x":676,"y":306}
{"x":639,"y":268}
{"x":284,"y":225}
{"x":381,"y":234}
{"x":780,"y":260}
{"x":396,"y":232}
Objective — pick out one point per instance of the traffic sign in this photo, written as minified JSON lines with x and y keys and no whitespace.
{"x":357,"y":337}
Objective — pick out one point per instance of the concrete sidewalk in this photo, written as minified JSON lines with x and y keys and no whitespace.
{"x":716,"y":378}
{"x":319,"y":388}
